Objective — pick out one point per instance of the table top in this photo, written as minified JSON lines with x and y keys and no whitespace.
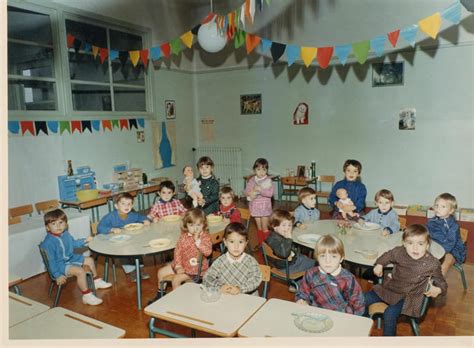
{"x":358,"y":240}
{"x":21,"y":308}
{"x":139,"y":239}
{"x":61,"y":323}
{"x":223,"y":318}
{"x":275,"y":319}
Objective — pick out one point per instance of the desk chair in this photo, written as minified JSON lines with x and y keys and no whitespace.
{"x":14,"y":220}
{"x":323,"y":179}
{"x":44,"y":206}
{"x":245,"y":217}
{"x":464,"y":234}
{"x":403,"y":223}
{"x":21,"y":210}
{"x":266,"y":275}
{"x":217,"y":243}
{"x":106,"y":265}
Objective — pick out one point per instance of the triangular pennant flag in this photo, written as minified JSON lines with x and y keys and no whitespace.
{"x":14,"y":127}
{"x":113,"y":54}
{"x":176,"y":46}
{"x":134,"y":57}
{"x":115,"y":123}
{"x":87,"y":47}
{"x":277,"y":50}
{"x":86,"y":125}
{"x":247,"y":9}
{"x":342,"y":52}
{"x":95,"y":51}
{"x":292,"y":53}
{"x":195,"y":29}
{"x":144,"y":56}
{"x":123,"y":124}
{"x":70,"y":40}
{"x":133,"y":123}
{"x":165,"y":49}
{"x":251,"y":41}
{"x":155,"y":53}
{"x":187,"y":39}
{"x":41,"y":126}
{"x":27,"y":126}
{"x":53,"y":126}
{"x":64,"y":126}
{"x":431,"y":25}
{"x":308,"y":54}
{"x":76,"y":125}
{"x":252,"y":10}
{"x":104,"y":52}
{"x":378,"y":44}
{"x":361,"y":50}
{"x":324,"y":56}
{"x":239,"y":38}
{"x":266,"y":44}
{"x":452,"y":13}
{"x":393,"y":37}
{"x":96,"y":125}
{"x":77,"y":45}
{"x":106,"y":124}
{"x":141,"y":122}
{"x":409,"y":34}
{"x":208,"y":18}
{"x":123,"y":57}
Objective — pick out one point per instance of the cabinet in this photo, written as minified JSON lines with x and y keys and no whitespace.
{"x":69,"y":185}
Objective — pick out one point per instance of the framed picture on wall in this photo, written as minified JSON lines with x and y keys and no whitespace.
{"x":250,"y":104}
{"x":301,"y":171}
{"x":387,"y":74}
{"x":170,"y":109}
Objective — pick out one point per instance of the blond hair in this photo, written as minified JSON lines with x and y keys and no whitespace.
{"x":192,"y":216}
{"x":448,"y":198}
{"x":329,"y":244}
{"x":305,"y":192}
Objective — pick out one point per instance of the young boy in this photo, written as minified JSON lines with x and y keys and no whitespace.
{"x":385,"y":216}
{"x":306,"y":211}
{"x":209,"y":186}
{"x":354,"y":187}
{"x":227,"y":208}
{"x":166,"y":205}
{"x":280,"y":240}
{"x":63,"y":262}
{"x":121,"y":216}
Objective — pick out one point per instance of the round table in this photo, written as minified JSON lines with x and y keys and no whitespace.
{"x":358,"y":240}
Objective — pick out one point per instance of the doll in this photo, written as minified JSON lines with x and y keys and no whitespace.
{"x":191,"y":185}
{"x":348,"y":206}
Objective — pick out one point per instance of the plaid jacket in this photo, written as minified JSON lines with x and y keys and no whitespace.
{"x":186,"y":253}
{"x":162,"y":208}
{"x":230,"y":212}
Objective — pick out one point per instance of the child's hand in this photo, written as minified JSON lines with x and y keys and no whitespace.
{"x":201,"y":201}
{"x":302,"y":302}
{"x":257,"y":189}
{"x":385,"y":233}
{"x":179,"y":269}
{"x":230,"y":289}
{"x":361,"y":222}
{"x":146,"y":222}
{"x":434,"y":291}
{"x":196,"y":236}
{"x":302,"y":226}
{"x":61,"y":280}
{"x":155,"y":220}
{"x":89,"y":238}
{"x":378,"y":270}
{"x":115,"y":230}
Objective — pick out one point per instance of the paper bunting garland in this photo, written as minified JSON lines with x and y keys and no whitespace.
{"x":308,"y":54}
{"x":324,"y":55}
{"x":453,"y":13}
{"x":409,"y":34}
{"x":342,"y":52}
{"x":431,"y":25}
{"x":41,"y":126}
{"x":361,"y":51}
{"x":393,"y":37}
{"x":277,"y":50}
{"x":378,"y":45}
{"x":292,"y":53}
{"x":134,"y":57}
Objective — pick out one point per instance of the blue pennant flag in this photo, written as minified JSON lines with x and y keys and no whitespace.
{"x":87,"y":47}
{"x":53,"y":126}
{"x":378,"y":44}
{"x":409,"y":34}
{"x":113,"y":54}
{"x":96,"y":125}
{"x":342,"y":52}
{"x":265,"y":44}
{"x":292,"y":52}
{"x":452,"y":13}
{"x":141,"y":122}
{"x":155,"y":53}
{"x":14,"y":127}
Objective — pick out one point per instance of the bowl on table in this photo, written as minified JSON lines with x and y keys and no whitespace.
{"x":87,"y":195}
{"x":171,"y":218}
{"x":214,"y":219}
{"x":209,"y":294}
{"x":133,"y":227}
{"x":159,"y":243}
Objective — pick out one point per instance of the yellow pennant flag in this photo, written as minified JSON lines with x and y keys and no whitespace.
{"x":308,"y":54}
{"x":187,"y":39}
{"x":95,"y":51}
{"x":431,"y":25}
{"x":134,"y":57}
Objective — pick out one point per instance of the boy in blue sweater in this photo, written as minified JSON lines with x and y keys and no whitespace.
{"x":385,"y":216}
{"x":63,"y":262}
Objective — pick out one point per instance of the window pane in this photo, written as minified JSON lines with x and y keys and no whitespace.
{"x":31,"y":95}
{"x":127,"y":74}
{"x":92,"y":34}
{"x":29,"y":26}
{"x":127,"y":99}
{"x":91,"y":98}
{"x":83,"y":66}
{"x":29,"y":60}
{"x":121,"y":41}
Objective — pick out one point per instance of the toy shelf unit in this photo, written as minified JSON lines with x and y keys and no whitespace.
{"x":130,"y":178}
{"x":69,"y":185}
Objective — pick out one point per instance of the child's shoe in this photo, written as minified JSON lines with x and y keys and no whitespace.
{"x":292,"y":289}
{"x":90,"y":299}
{"x":99,"y":283}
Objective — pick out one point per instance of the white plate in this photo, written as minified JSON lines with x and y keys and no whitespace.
{"x":368,"y":226}
{"x":309,"y":238}
{"x":159,"y":243}
{"x":313,"y":322}
{"x":171,"y":218}
{"x":119,"y":238}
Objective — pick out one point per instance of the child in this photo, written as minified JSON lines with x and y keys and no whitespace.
{"x":192,"y":186}
{"x":259,"y":192}
{"x":354,"y":187}
{"x":234,"y":272}
{"x":347,"y":206}
{"x":63,"y":262}
{"x":306,"y":211}
{"x":329,"y":285}
{"x":385,"y":216}
{"x":194,"y":240}
{"x":416,"y":273}
{"x":166,"y":205}
{"x":114,"y":221}
{"x":209,"y":186}
{"x":281,"y":242}
{"x":227,"y":208}
{"x":445,"y":231}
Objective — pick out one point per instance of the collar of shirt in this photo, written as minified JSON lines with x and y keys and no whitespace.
{"x":164,"y":202}
{"x":257,"y":179}
{"x":206,"y":177}
{"x":335,"y":273}
{"x":232,"y":260}
{"x":388,"y":211}
{"x":227,"y":208}
{"x":304,"y":206}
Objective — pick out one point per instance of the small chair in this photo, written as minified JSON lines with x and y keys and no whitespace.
{"x":290,"y":278}
{"x":217,"y":242}
{"x":106,"y":265}
{"x":290,"y":185}
{"x":42,"y":207}
{"x":323,"y":179}
{"x":403,"y":223}
{"x":21,"y":210}
{"x":464,"y":234}
{"x":89,"y":278}
{"x":266,"y":275}
{"x":245,"y":215}
{"x":14,"y":220}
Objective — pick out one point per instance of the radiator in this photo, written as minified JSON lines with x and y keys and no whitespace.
{"x":227,"y":165}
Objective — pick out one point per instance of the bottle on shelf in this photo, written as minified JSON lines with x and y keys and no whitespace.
{"x":70,"y":172}
{"x":313,"y":169}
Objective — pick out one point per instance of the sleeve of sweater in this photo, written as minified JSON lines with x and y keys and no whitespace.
{"x":355,"y":298}
{"x":181,"y":208}
{"x":178,"y":254}
{"x":298,"y":215}
{"x":134,"y":217}
{"x":393,"y":224}
{"x":56,"y":264}
{"x":235,"y":216}
{"x":281,"y":246}
{"x":205,"y":246}
{"x":211,"y":277}
{"x":77,"y":243}
{"x":439,"y":280}
{"x":304,"y":288}
{"x":359,"y":200}
{"x":387,"y":257}
{"x":370,"y":216}
{"x":105,"y":224}
{"x":249,"y":186}
{"x":254,"y":276}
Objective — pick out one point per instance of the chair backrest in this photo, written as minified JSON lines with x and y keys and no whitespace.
{"x":267,"y":251}
{"x":403,"y":223}
{"x":44,"y":256}
{"x":94,"y":228}
{"x":216,"y":238}
{"x":464,"y":234}
{"x":46,"y":205}
{"x":326,"y":179}
{"x":14,"y":220}
{"x":266,"y":274}
{"x":21,"y":210}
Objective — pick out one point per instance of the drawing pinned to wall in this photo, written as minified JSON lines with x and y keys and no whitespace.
{"x":387,"y":74}
{"x":164,"y":144}
{"x":207,"y":129}
{"x":300,"y":115}
{"x":170,"y":109}
{"x":250,"y":104}
{"x":407,"y":119}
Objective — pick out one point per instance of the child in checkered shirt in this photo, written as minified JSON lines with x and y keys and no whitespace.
{"x":193,"y":242}
{"x":166,"y":205}
{"x":234,"y":272}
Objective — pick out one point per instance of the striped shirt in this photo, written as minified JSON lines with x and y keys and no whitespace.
{"x":186,"y":253}
{"x":162,"y":208}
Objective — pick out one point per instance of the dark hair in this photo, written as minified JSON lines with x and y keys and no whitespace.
{"x":385,"y":194}
{"x":205,"y":160}
{"x":54,"y":215}
{"x":305,"y":192}
{"x":236,"y":227}
{"x":226,"y":189}
{"x":166,"y":184}
{"x":260,"y":162}
{"x":416,"y":230}
{"x":123,"y":195}
{"x":280,"y":215}
{"x":352,"y":162}
{"x":192,"y":215}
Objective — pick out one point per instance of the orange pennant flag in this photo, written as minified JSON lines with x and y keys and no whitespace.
{"x":106,"y":124}
{"x":431,"y":25}
{"x":104,"y":52}
{"x":324,"y":56}
{"x":144,"y":56}
{"x":251,"y":41}
{"x":134,"y":56}
{"x":95,"y":51}
{"x":393,"y":37}
{"x":187,"y":39}
{"x":308,"y":54}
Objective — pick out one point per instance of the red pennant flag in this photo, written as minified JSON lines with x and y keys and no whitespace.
{"x":208,"y":18}
{"x":393,"y":37}
{"x":70,"y":40}
{"x":123,"y":124}
{"x":166,"y":49}
{"x":27,"y":126}
{"x":144,"y":57}
{"x":251,"y":41}
{"x":106,"y":124}
{"x":324,"y":56}
{"x":103,"y":53}
{"x":76,"y":125}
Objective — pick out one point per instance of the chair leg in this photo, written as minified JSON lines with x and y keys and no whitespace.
{"x":459,"y":267}
{"x":379,"y":322}
{"x":162,"y":288}
{"x":51,"y":288}
{"x":114,"y":275}
{"x":90,"y":282}
{"x":415,"y":327}
{"x":58,"y":294}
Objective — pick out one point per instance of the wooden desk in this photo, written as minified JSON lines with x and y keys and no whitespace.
{"x":147,"y":190}
{"x":93,"y":204}
{"x":21,"y":308}
{"x":274,"y":319}
{"x":184,"y":306}
{"x":61,"y":323}
{"x":295,"y":183}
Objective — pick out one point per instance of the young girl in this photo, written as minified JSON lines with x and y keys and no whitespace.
{"x":234,"y":272}
{"x":167,"y":204}
{"x":416,"y":273}
{"x":329,"y":285}
{"x":445,"y":230}
{"x":227,"y":208}
{"x":259,"y":192}
{"x":209,"y":203}
{"x":194,"y":240}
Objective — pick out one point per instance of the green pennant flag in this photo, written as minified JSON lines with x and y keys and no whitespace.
{"x":237,"y":18}
{"x":115,"y":123}
{"x":268,"y":1}
{"x":361,"y":50}
{"x":176,"y":46}
{"x":64,"y":125}
{"x":239,"y":38}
